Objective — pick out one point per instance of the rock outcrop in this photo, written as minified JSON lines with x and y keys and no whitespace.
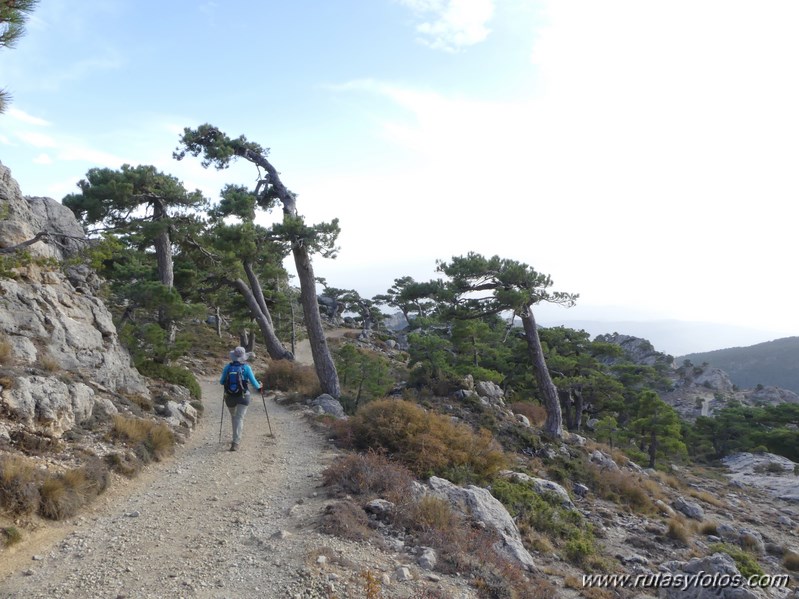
{"x":60,"y":342}
{"x":485,"y":509}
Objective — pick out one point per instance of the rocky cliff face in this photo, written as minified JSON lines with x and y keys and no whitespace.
{"x":59,"y":350}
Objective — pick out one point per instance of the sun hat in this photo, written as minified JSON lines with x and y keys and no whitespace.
{"x":239,"y":355}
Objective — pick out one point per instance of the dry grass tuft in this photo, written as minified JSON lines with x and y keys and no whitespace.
{"x":19,"y":491}
{"x":6,"y":352}
{"x":791,"y":561}
{"x":707,"y":497}
{"x":150,"y":440}
{"x":678,"y":531}
{"x":709,"y":528}
{"x":47,"y":363}
{"x":64,"y":494}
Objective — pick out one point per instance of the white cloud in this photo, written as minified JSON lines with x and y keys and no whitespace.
{"x":654,"y":166}
{"x":43,"y":159}
{"x":24,"y":117}
{"x":37,"y":140}
{"x":451,"y":25}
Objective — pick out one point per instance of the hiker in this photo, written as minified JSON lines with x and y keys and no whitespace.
{"x":236,"y":378}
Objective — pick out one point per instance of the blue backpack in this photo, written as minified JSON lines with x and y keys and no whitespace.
{"x":235,"y":383}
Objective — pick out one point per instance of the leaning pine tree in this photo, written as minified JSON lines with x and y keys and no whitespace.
{"x":479,"y":286}
{"x":219,"y":150}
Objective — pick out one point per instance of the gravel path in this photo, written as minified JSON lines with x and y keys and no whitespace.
{"x":212,"y":523}
{"x":202,"y":524}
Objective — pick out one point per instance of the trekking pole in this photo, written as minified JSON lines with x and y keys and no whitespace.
{"x":222,"y":417}
{"x":263,"y":399}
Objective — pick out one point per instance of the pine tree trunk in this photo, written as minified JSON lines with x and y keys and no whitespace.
{"x":166,"y":274}
{"x":257,"y":291}
{"x":274,"y":348}
{"x":553,"y":426}
{"x":323,"y":361}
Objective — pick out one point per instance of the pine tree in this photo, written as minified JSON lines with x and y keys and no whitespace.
{"x":13,"y":14}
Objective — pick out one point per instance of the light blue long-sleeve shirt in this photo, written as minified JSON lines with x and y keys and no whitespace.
{"x":246,"y":373}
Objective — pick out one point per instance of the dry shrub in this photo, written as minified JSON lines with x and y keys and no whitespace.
{"x":426,"y":442}
{"x":429,"y":513}
{"x":5,"y":351}
{"x":149,"y":439}
{"x":19,"y":491}
{"x":144,"y":403}
{"x":127,"y":465}
{"x":7,"y":382}
{"x":284,"y":375}
{"x":791,"y":561}
{"x":368,"y":474}
{"x":678,"y":531}
{"x":709,"y":528}
{"x":35,"y":443}
{"x":58,"y":500}
{"x":624,"y":487}
{"x":536,"y":414}
{"x":346,"y":520}
{"x":10,"y":535}
{"x":47,"y":362}
{"x":668,"y":479}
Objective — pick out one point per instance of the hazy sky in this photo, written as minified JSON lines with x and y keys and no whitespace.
{"x":643,"y":153}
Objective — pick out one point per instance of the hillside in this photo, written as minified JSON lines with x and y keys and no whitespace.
{"x":770,"y":364}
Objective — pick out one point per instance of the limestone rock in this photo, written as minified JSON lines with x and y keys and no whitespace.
{"x":326,"y":404}
{"x":541,"y":486}
{"x":719,"y":564}
{"x":484,"y":508}
{"x":690,"y":508}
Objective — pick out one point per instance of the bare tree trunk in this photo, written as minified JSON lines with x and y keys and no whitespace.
{"x":218,"y":322}
{"x":293,"y":327}
{"x":553,"y":426}
{"x":565,"y":398}
{"x":274,"y":348}
{"x":257,"y":290}
{"x":578,"y":409}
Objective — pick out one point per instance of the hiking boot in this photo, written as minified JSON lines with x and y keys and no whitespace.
{"x":234,"y":447}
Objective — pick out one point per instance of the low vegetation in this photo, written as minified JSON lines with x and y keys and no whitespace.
{"x":25,"y":489}
{"x":149,"y":440}
{"x":428,"y":443}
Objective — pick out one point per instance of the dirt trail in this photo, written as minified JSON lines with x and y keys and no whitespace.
{"x":200,"y":524}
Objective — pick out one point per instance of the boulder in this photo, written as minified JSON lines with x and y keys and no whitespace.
{"x":491,"y":391}
{"x":428,"y":559}
{"x":326,"y":404}
{"x":484,"y":508}
{"x":689,"y":508}
{"x":719,"y":565}
{"x":603,"y":460}
{"x":541,"y":486}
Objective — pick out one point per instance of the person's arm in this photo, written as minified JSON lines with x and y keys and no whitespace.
{"x":251,"y":377}
{"x":224,"y":374}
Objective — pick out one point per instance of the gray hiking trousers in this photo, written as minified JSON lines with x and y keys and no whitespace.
{"x":237,"y":418}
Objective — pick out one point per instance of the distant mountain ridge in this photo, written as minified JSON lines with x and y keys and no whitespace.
{"x":771,"y":363}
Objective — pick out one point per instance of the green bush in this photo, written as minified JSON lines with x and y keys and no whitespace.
{"x":171,"y":374}
{"x":747,"y":565}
